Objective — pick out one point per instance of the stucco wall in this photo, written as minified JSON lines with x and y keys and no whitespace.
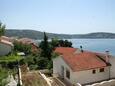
{"x":57,"y":64}
{"x":4,"y":49}
{"x":87,"y":76}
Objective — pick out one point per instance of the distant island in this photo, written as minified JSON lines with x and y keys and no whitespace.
{"x":39,"y":35}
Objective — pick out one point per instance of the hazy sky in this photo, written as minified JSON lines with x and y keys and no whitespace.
{"x":59,"y":16}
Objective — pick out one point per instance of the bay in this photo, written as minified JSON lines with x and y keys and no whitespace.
{"x":96,"y":45}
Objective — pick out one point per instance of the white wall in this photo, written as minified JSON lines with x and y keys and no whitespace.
{"x":81,"y":77}
{"x":84,"y":77}
{"x":4,"y":49}
{"x":57,"y":64}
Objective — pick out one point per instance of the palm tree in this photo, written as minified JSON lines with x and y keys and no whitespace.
{"x":2,"y":29}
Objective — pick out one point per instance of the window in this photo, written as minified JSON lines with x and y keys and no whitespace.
{"x":101,"y":69}
{"x":68,"y":74}
{"x":93,"y":71}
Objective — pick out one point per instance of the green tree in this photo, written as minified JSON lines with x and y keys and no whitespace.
{"x":46,"y":48}
{"x":22,"y":47}
{"x":42,"y":62}
{"x":2,"y":29}
{"x":67,"y":43}
{"x":54,"y":42}
{"x":60,"y":43}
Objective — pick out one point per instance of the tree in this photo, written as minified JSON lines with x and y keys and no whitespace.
{"x":60,"y":43}
{"x":2,"y":29}
{"x":42,"y":62}
{"x":47,"y":54}
{"x":22,"y":47}
{"x":67,"y":43}
{"x":54,"y":42}
{"x":46,"y":48}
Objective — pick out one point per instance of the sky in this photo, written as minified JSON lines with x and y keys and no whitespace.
{"x":59,"y":16}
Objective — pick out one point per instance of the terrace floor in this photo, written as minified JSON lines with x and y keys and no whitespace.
{"x":33,"y":78}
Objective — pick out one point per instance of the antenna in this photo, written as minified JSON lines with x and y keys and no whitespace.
{"x":81,"y":49}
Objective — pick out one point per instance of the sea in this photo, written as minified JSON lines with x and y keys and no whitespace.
{"x":96,"y":45}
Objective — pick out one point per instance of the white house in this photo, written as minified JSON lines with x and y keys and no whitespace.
{"x":5,"y":47}
{"x":84,"y":67}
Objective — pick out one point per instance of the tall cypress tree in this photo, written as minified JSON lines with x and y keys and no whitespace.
{"x":46,"y":48}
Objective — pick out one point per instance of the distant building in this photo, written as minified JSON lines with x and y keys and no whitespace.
{"x":31,"y":42}
{"x":10,"y":39}
{"x":26,"y":40}
{"x":5,"y":47}
{"x":80,"y":66}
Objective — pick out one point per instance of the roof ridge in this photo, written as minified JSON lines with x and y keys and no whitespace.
{"x":108,"y":64}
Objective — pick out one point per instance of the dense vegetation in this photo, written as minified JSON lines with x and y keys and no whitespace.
{"x":35,"y":61}
{"x":3,"y":76}
{"x":8,"y":65}
{"x":43,"y":59}
{"x":60,"y":43}
{"x":47,"y":48}
{"x":10,"y":58}
{"x":3,"y":71}
{"x":39,"y":35}
{"x":20,"y":47}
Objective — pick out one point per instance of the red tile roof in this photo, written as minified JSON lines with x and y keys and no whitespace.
{"x":79,"y":61}
{"x":6,"y":42}
{"x":5,"y":38}
{"x":26,"y":40}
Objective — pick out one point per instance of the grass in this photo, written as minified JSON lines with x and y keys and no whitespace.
{"x":3,"y":73}
{"x":3,"y":76}
{"x":5,"y":69}
{"x":33,"y":79}
{"x":10,"y":58}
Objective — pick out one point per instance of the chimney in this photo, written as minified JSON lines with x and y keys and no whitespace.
{"x":81,"y":49}
{"x":107,"y":56}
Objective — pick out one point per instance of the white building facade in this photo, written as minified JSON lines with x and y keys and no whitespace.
{"x":62,"y":69}
{"x":5,"y":47}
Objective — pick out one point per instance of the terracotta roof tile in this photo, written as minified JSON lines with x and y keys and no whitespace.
{"x":26,"y":40}
{"x":6,"y":42}
{"x":80,"y":61}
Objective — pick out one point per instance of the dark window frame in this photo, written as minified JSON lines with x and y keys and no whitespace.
{"x":101,"y":70}
{"x":67,"y":73}
{"x":93,"y":71}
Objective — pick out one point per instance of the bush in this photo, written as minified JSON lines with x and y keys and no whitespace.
{"x":22,"y":47}
{"x":33,"y":67}
{"x":3,"y":76}
{"x":50,"y":65}
{"x":42,"y":63}
{"x":29,"y":60}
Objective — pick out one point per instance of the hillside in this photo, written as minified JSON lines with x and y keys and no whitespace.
{"x":33,"y":34}
{"x":39,"y":35}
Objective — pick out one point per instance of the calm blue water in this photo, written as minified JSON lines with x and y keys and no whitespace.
{"x":98,"y":45}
